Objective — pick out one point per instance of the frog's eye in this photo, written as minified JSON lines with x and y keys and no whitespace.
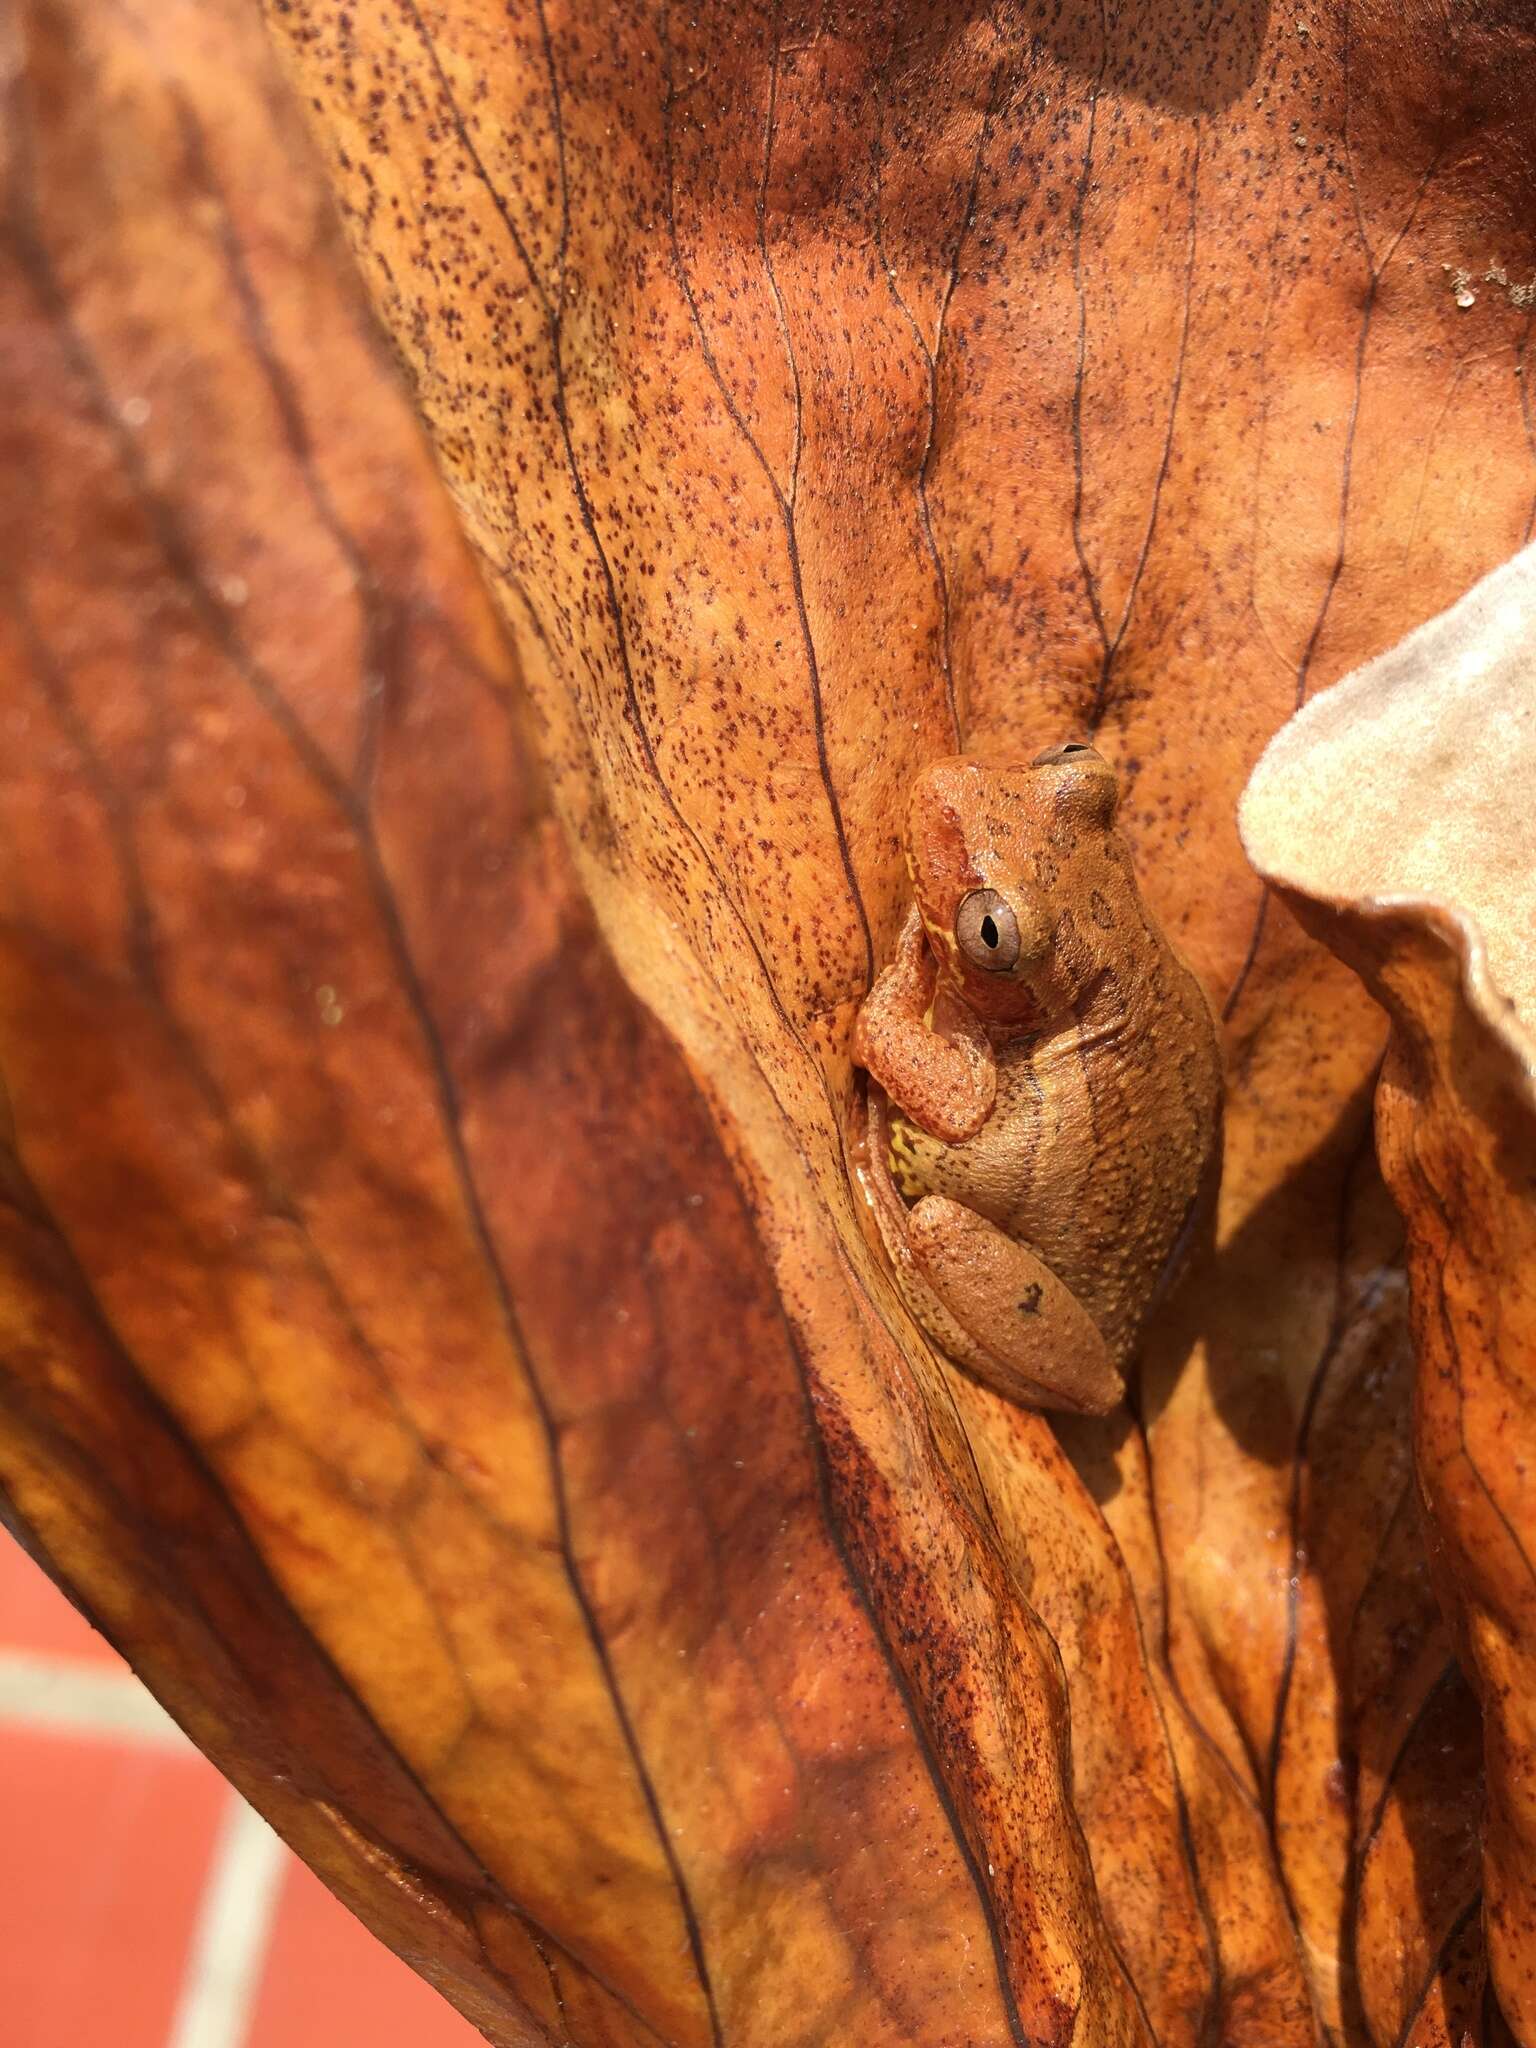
{"x":987,"y":931}
{"x":1069,"y":750}
{"x":1085,"y":783}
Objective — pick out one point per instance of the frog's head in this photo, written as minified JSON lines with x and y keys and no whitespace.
{"x":1005,"y":862}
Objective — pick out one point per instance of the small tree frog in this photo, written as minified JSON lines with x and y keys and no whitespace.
{"x":1044,"y":1102}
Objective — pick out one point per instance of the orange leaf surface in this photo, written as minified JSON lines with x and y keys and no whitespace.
{"x":444,"y":1345}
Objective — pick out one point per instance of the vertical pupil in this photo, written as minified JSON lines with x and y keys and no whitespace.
{"x":988,"y":932}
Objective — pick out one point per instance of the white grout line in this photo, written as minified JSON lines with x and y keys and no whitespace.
{"x":234,"y":1926}
{"x":61,"y":1696}
{"x":228,"y":1948}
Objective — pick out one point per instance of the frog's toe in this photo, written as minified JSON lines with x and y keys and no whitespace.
{"x":1043,"y":1347}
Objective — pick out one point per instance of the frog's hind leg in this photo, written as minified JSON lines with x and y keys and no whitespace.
{"x":1019,"y":1327}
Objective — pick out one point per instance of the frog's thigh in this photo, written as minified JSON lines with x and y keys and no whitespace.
{"x":1026,"y":1324}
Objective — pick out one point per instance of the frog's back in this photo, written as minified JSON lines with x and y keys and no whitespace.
{"x":1100,"y":1145}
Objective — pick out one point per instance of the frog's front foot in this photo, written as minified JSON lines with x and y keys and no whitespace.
{"x":1002,"y":1312}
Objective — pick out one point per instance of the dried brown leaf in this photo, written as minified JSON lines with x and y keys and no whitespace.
{"x":1395,"y":815}
{"x":446,"y":1349}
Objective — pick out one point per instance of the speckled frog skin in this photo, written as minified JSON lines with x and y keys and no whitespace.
{"x":1045,"y":1099}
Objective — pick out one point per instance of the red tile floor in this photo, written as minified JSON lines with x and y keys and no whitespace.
{"x":142,"y":1903}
